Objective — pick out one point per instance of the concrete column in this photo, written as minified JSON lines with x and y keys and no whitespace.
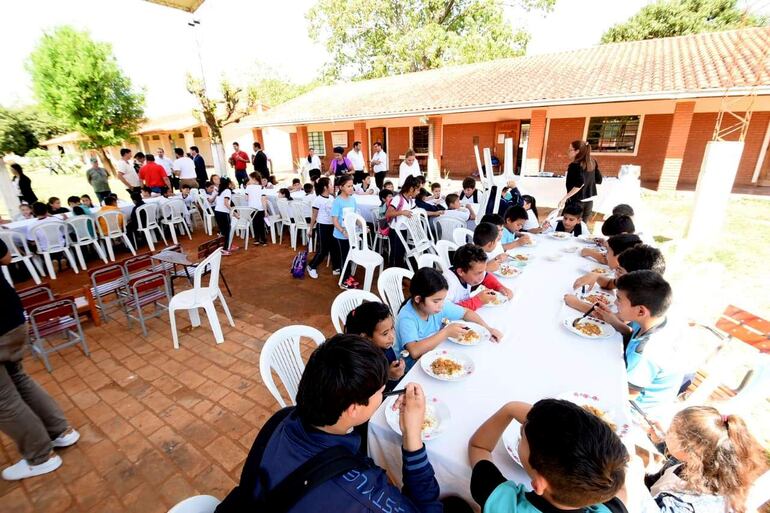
{"x":536,"y":141}
{"x":258,"y":137}
{"x":360,"y":133}
{"x":189,"y":140}
{"x":436,"y":150}
{"x":302,"y":144}
{"x":677,"y":142}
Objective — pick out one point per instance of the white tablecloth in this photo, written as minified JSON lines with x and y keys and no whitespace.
{"x":364,"y":202}
{"x":537,"y":358}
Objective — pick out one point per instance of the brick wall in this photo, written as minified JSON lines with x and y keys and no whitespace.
{"x":458,"y":156}
{"x":561,"y":132}
{"x":294,"y":147}
{"x":398,"y":143}
{"x":752,"y":147}
{"x":330,"y":148}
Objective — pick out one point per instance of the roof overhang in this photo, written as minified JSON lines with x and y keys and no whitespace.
{"x":183,"y":5}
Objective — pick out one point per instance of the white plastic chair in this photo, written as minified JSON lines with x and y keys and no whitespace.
{"x":462,"y":236}
{"x":445,"y":226}
{"x":432,"y":261}
{"x":147,"y":221}
{"x":114,"y":222}
{"x":201,"y":297}
{"x":51,"y":237}
{"x":281,"y":353}
{"x":444,"y":247}
{"x":390,"y":285}
{"x":759,"y":493}
{"x":196,"y":504}
{"x":17,"y":246}
{"x":272,"y":220}
{"x":173,"y":215}
{"x":83,"y":232}
{"x":347,"y":301}
{"x":359,"y":253}
{"x":206,"y":213}
{"x":419,"y":241}
{"x":422,"y":215}
{"x":241,"y":223}
{"x":238,"y":200}
{"x":302,"y":226}
{"x":287,"y":221}
{"x":379,"y":239}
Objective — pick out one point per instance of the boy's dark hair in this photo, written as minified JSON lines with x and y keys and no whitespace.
{"x":579,"y":455}
{"x":573,"y":209}
{"x":308,"y":188}
{"x":515,"y":213}
{"x":484,"y":234}
{"x":146,"y":188}
{"x":140,"y":155}
{"x":124,"y":152}
{"x":616,"y":224}
{"x":495,"y":219}
{"x":648,"y":289}
{"x":73,"y":199}
{"x":296,"y":180}
{"x":435,"y":185}
{"x":52,"y":199}
{"x":384,"y":193}
{"x":179,"y":152}
{"x":410,"y":183}
{"x":184,"y":186}
{"x":623,"y":210}
{"x":363,"y":320}
{"x":137,"y":198}
{"x":344,"y":370}
{"x":451,"y":198}
{"x":469,"y":182}
{"x":163,"y":190}
{"x":642,"y":257}
{"x":256,"y":145}
{"x":422,"y":194}
{"x":39,"y":209}
{"x":466,"y":255}
{"x":150,"y":157}
{"x":620,"y":243}
{"x":109,"y":200}
{"x":321,"y":184}
{"x":386,"y":183}
{"x":86,"y":196}
{"x":195,"y":149}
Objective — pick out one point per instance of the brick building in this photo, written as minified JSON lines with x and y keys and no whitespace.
{"x":650,"y":103}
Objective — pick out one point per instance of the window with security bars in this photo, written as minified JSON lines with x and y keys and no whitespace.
{"x":420,"y":136}
{"x":315,"y":140}
{"x":613,"y":134}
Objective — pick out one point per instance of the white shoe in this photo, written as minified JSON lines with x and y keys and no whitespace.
{"x":66,"y":440}
{"x":336,"y":272}
{"x":312,"y":273}
{"x":23,"y":470}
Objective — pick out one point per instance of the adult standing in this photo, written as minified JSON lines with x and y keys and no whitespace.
{"x":239,"y":160}
{"x":24,"y":184}
{"x":379,"y":164}
{"x":582,"y":176}
{"x":356,"y":157}
{"x":259,"y":160}
{"x":98,"y":179}
{"x":154,"y":176}
{"x":139,"y":161}
{"x":200,"y":167}
{"x":409,"y":167}
{"x":28,"y":415}
{"x":340,"y":165}
{"x":168,"y":165}
{"x":184,"y":168}
{"x":311,"y":166}
{"x":126,"y":172}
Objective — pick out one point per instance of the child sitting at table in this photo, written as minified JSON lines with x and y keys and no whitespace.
{"x":422,"y":320}
{"x":388,"y":186}
{"x":54,"y":206}
{"x":211,"y":192}
{"x":373,"y":321}
{"x":25,"y":212}
{"x":514,"y":220}
{"x":110,"y":204}
{"x":467,"y":274}
{"x":146,"y":192}
{"x":85,"y":200}
{"x":74,"y":203}
{"x":640,"y":257}
{"x":435,"y":195}
{"x":498,"y":221}
{"x":309,"y":190}
{"x":714,"y":462}
{"x":186,"y":197}
{"x":613,"y":225}
{"x":296,"y":185}
{"x":571,"y":222}
{"x":487,"y":235}
{"x":469,"y":194}
{"x":366,"y":186}
{"x":457,"y":210}
{"x":532,"y":224}
{"x":574,"y":460}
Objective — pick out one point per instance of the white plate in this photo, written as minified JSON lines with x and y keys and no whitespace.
{"x":434,"y":409}
{"x":607,"y":330}
{"x":501,"y":298}
{"x":509,"y":268}
{"x":589,"y":296}
{"x":601,"y":270}
{"x":561,"y":235}
{"x":511,"y":439}
{"x":571,"y":249}
{"x":584,"y":399}
{"x":518,"y":259}
{"x":428,"y":358}
{"x":555,"y":257}
{"x":484,"y":334}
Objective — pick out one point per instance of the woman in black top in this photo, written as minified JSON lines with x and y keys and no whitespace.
{"x":582,"y":176}
{"x":25,"y":184}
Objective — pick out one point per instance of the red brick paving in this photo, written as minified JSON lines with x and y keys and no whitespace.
{"x":157,"y":424}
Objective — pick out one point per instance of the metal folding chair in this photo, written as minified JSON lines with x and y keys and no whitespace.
{"x":52,"y":318}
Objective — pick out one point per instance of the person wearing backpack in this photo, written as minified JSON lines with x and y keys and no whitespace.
{"x":307,"y":459}
{"x":399,"y":209}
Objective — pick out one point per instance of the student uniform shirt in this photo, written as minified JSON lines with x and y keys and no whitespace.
{"x":254,"y":195}
{"x":338,"y":210}
{"x":531,"y":223}
{"x":461,"y":213}
{"x":219,"y":203}
{"x":410,"y":327}
{"x":508,"y":236}
{"x":324,"y":207}
{"x":400,"y":203}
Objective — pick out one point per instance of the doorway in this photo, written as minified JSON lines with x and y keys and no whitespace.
{"x":379,"y":134}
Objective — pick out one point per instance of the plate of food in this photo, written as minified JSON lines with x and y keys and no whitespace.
{"x":474,"y":335}
{"x":437,"y":417}
{"x":560,"y":235}
{"x":511,"y":439}
{"x":507,"y":270}
{"x":596,"y":296}
{"x":447,"y":365}
{"x":498,"y":300}
{"x":604,"y":271}
{"x":593,"y":404}
{"x":589,"y":328}
{"x":554,"y":257}
{"x":532,"y":240}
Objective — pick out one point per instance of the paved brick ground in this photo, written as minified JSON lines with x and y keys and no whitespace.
{"x":159,"y":424}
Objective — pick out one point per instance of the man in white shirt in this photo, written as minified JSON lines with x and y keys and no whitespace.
{"x":379,"y":164}
{"x":356,"y":157}
{"x":126,"y":172}
{"x":184,"y":168}
{"x":168,"y":165}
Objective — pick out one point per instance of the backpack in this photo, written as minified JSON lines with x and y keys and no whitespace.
{"x":329,"y":463}
{"x":298,"y":265}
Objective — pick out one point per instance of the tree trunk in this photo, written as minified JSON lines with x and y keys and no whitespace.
{"x":107,"y":163}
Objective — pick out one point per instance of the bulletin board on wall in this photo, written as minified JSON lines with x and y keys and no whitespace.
{"x":340,"y":139}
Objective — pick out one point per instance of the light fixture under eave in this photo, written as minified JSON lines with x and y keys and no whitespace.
{"x":183,"y":5}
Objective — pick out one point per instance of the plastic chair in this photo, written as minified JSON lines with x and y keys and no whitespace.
{"x":51,"y":237}
{"x":201,"y":297}
{"x":462,"y":236}
{"x":106,"y":281}
{"x":287,"y":221}
{"x":759,"y":493}
{"x":60,"y":316}
{"x":174,"y":214}
{"x":444,"y":247}
{"x":359,"y":253}
{"x":196,"y":504}
{"x":347,"y":301}
{"x":147,"y":221}
{"x":241,"y":219}
{"x":419,"y":241}
{"x":302,"y":226}
{"x":281,"y":353}
{"x":432,"y":261}
{"x":422,"y":216}
{"x":83,"y":232}
{"x":445,"y":226}
{"x":238,"y":200}
{"x":206,"y":213}
{"x":146,"y":290}
{"x":379,"y":239}
{"x":17,"y":246}
{"x":272,"y":220}
{"x":138,"y":266}
{"x":114,"y":227}
{"x":390,"y":284}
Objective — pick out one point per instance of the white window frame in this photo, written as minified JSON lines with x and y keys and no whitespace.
{"x":321,"y":152}
{"x":615,"y":154}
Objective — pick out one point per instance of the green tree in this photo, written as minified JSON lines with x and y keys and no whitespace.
{"x":274,"y":91}
{"x":376,"y":38}
{"x":21,"y":129}
{"x":679,"y":17}
{"x":79,"y":83}
{"x":234,"y":104}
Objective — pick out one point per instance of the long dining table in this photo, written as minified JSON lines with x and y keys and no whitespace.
{"x":537,"y":358}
